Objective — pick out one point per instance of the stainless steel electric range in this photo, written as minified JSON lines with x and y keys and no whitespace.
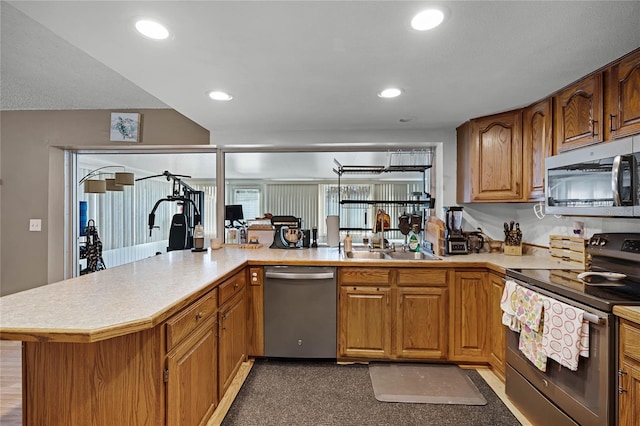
{"x":587,"y":396}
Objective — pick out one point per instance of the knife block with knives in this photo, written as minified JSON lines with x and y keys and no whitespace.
{"x":512,"y":239}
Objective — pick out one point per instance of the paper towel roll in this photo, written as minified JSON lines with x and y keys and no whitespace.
{"x":333,"y":231}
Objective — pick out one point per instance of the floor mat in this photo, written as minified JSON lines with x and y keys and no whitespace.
{"x":423,"y":383}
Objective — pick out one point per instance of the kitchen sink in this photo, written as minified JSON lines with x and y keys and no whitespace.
{"x":410,"y":255}
{"x":393,"y":255}
{"x":365,"y":255}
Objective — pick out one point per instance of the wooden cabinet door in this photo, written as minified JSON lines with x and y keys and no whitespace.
{"x":629,"y":374}
{"x":578,"y":113}
{"x":421,"y":322}
{"x":255,"y":312}
{"x":629,"y":393}
{"x":537,"y":145}
{"x":232,"y":340}
{"x":496,"y":158}
{"x":498,"y":331}
{"x":192,"y":385}
{"x":469,"y":317}
{"x":364,"y":328}
{"x":624,"y":115}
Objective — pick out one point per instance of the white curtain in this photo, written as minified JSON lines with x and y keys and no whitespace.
{"x":299,"y":200}
{"x":121,"y":217}
{"x":209,"y":216}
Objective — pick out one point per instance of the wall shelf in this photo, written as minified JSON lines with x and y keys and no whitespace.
{"x":424,"y":202}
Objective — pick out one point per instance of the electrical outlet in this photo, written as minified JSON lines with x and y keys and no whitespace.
{"x":35,"y":225}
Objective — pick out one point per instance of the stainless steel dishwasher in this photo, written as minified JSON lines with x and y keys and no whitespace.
{"x":300,"y":312}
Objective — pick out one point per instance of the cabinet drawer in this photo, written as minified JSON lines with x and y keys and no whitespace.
{"x":365,"y":276}
{"x":422,"y":277}
{"x":183,"y":323}
{"x":630,"y":340}
{"x":231,"y":286}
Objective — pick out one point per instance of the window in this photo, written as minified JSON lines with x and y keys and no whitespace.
{"x":250,"y":200}
{"x":121,"y":217}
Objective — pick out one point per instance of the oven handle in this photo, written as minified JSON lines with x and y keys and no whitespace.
{"x":593,"y":318}
{"x":589,"y":316}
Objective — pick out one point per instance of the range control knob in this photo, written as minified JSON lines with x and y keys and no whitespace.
{"x":603,"y":242}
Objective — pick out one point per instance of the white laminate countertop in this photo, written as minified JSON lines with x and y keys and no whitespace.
{"x":631,"y":313}
{"x":140,"y":295}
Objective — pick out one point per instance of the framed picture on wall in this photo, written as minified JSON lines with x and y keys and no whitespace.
{"x":125,"y":127}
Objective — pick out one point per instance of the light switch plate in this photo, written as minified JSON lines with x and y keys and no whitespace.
{"x":35,"y":225}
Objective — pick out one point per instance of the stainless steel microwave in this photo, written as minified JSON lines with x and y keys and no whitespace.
{"x":597,"y":180}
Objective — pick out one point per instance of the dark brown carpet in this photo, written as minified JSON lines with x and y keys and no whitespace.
{"x":279,"y":392}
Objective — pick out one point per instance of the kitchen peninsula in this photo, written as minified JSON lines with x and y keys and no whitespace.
{"x":132,"y":344}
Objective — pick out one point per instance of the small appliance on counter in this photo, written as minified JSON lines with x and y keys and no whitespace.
{"x":288,"y":233}
{"x":456,"y":240}
{"x":475,"y":241}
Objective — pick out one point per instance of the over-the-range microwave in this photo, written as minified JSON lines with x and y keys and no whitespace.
{"x":596,"y":180}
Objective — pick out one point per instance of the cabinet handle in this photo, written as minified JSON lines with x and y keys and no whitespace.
{"x":593,"y":127}
{"x":235,"y":285}
{"x":611,"y":122}
{"x":198,"y":315}
{"x":621,"y":390}
{"x":622,"y":373}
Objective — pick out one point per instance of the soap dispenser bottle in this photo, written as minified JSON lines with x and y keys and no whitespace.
{"x":414,"y":242}
{"x":348,"y":245}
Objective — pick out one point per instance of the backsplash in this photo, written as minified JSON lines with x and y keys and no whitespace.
{"x":491,"y":217}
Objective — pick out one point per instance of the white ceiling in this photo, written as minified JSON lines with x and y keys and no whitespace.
{"x":311,"y":68}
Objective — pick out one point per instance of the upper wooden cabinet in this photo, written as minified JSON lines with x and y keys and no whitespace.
{"x":537,"y":142}
{"x":624,"y":96}
{"x":579,"y":113}
{"x":490,"y":155}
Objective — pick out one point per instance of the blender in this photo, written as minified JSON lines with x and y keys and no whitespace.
{"x":456,"y":239}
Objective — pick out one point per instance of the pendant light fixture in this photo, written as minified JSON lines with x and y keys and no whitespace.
{"x":95,"y":186}
{"x":112,"y":185}
{"x":116,"y":182}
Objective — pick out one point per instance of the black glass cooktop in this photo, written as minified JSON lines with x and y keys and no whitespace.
{"x":596,"y":292}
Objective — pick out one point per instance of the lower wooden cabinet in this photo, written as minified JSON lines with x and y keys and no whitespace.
{"x":421,"y":316}
{"x":192,"y":383}
{"x":629,"y":374}
{"x":255,"y":311}
{"x":498,"y":331}
{"x":232,"y":339}
{"x":469,"y":307}
{"x":392,"y":313}
{"x":364,"y":322}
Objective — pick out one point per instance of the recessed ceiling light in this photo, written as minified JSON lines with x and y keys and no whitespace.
{"x":391,"y":92}
{"x":427,"y":19}
{"x":152,"y":29}
{"x":217,"y":95}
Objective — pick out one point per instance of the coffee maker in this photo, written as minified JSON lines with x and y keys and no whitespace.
{"x":288,"y":233}
{"x":456,"y":239}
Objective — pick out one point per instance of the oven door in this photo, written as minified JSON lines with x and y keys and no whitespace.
{"x":586,"y":395}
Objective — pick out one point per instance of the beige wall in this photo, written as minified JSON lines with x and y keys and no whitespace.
{"x":32,"y":173}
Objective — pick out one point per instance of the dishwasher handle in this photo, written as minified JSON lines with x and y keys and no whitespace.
{"x":327,"y":275}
